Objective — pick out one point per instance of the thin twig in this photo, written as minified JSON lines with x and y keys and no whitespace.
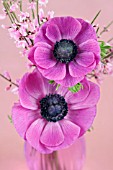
{"x":110,"y":40}
{"x":33,"y":14}
{"x":8,"y":13}
{"x":97,"y":29}
{"x":95,"y":17}
{"x":9,"y":80}
{"x":12,"y":14}
{"x":37,"y":9}
{"x":20,"y":2}
{"x":105,"y":28}
{"x":110,"y":54}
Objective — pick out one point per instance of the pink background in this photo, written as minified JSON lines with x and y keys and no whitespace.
{"x":100,"y":141}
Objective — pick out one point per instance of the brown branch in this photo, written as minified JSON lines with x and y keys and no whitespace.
{"x":9,"y":80}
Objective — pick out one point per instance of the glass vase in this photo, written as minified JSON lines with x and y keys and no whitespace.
{"x":71,"y":158}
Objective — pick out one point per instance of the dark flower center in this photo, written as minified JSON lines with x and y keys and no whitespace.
{"x":53,"y":107}
{"x":65,"y":51}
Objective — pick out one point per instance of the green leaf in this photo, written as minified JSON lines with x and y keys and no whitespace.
{"x":51,"y":81}
{"x":104,"y":49}
{"x":76,"y":88}
{"x":107,"y":46}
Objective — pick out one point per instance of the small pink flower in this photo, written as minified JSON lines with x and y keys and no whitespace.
{"x":50,"y":15}
{"x":15,"y":90}
{"x":51,"y":120}
{"x":98,"y":67}
{"x":34,"y":26}
{"x":23,"y":31}
{"x":14,"y":33}
{"x":23,"y":16}
{"x":32,"y":5}
{"x":24,"y":25}
{"x":24,"y":52}
{"x":21,"y":44}
{"x":43,"y":2}
{"x":8,"y":88}
{"x":13,"y":7}
{"x":41,"y":14}
{"x":108,"y":69}
{"x":7,"y":75}
{"x":66,"y":49}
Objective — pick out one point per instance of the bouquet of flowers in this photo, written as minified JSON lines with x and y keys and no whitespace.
{"x":57,"y":99}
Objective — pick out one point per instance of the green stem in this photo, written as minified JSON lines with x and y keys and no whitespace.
{"x":97,"y":30}
{"x":9,"y":14}
{"x":33,"y":14}
{"x":12,"y":14}
{"x":15,"y":16}
{"x":95,"y":17}
{"x":37,"y":9}
{"x":20,"y":2}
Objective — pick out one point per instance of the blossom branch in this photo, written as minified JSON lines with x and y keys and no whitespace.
{"x":12,"y":13}
{"x":7,"y":11}
{"x":106,"y":28}
{"x":9,"y":80}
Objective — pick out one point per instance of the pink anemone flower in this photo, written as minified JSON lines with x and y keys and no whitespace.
{"x":50,"y":119}
{"x":65,"y":50}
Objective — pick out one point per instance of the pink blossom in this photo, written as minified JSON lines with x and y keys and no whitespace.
{"x":108,"y":68}
{"x":13,"y":7}
{"x":34,"y":26}
{"x":24,"y":25}
{"x":21,"y":44}
{"x":51,"y":120}
{"x":50,"y":14}
{"x":8,"y":88}
{"x":7,"y":75}
{"x":23,"y":16}
{"x":43,"y":2}
{"x":41,"y":14}
{"x":65,"y":50}
{"x":15,"y":90}
{"x":14,"y":33}
{"x":23,"y":31}
{"x":24,"y":52}
{"x":32,"y":5}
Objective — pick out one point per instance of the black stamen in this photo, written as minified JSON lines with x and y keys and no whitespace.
{"x":53,"y":107}
{"x":65,"y":51}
